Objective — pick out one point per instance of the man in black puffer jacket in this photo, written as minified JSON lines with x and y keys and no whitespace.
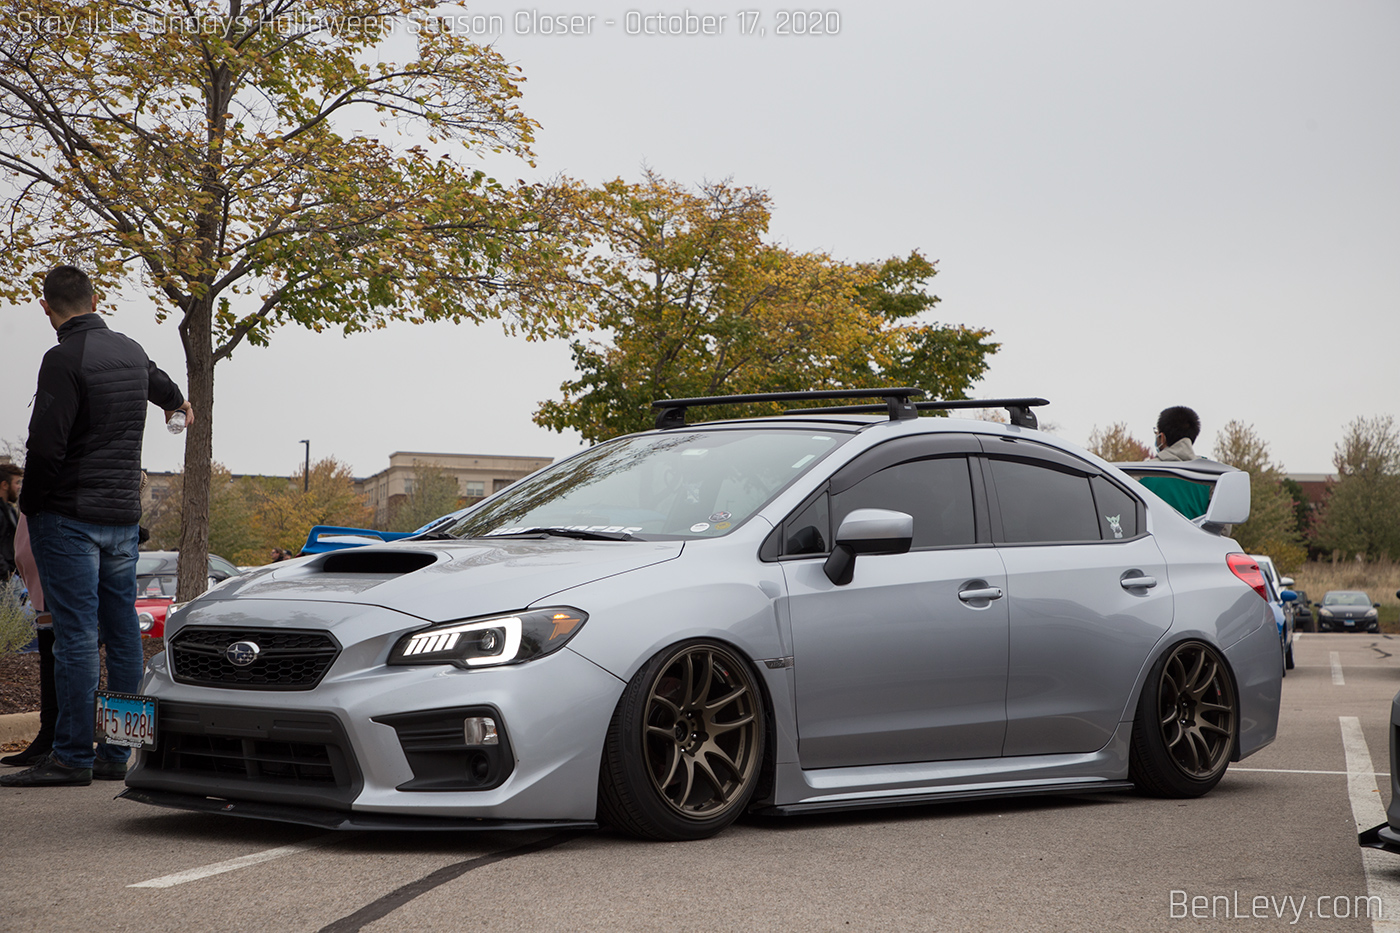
{"x":82,"y":499}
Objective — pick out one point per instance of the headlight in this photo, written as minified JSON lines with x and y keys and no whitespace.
{"x":146,"y":621}
{"x":1325,"y":613}
{"x":1371,"y":613}
{"x":510,"y":639}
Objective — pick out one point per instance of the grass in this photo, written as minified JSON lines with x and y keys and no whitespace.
{"x":1379,"y":579}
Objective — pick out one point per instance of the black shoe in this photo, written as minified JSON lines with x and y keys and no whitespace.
{"x":104,"y":770}
{"x":32,"y":755}
{"x":49,"y":773}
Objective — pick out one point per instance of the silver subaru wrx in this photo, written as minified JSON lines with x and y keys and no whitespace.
{"x":819,"y":610}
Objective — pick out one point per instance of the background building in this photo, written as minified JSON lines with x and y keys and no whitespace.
{"x":477,"y":475}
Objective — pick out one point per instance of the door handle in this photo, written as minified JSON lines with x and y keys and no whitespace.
{"x":1139,"y":581}
{"x":986,"y":592}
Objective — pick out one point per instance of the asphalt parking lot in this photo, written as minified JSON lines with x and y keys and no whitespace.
{"x":1273,"y":847}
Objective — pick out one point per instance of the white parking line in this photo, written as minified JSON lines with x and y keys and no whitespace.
{"x":1367,"y":809}
{"x":1384,"y":774}
{"x":1337,"y":679}
{"x":243,"y":861}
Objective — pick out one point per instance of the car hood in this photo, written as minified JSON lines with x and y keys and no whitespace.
{"x":444,"y":580}
{"x":1348,"y":612}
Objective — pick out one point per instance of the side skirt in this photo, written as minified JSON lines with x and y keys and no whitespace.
{"x":905,"y":800}
{"x":1106,"y":769}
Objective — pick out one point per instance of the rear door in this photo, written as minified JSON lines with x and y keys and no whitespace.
{"x":902,"y":664}
{"x":1088,"y":595}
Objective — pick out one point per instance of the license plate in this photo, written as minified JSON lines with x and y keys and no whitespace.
{"x":1348,"y":621}
{"x":126,"y":719}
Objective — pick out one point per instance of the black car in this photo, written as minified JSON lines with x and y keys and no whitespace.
{"x":1347,"y":611}
{"x":1304,"y":619}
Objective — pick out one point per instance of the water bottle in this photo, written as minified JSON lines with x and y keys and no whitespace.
{"x":176,"y":424}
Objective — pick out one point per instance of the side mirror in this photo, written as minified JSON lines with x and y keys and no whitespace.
{"x":1229,"y":505}
{"x":1287,"y":596}
{"x":867,"y":531}
{"x":1285,"y":582}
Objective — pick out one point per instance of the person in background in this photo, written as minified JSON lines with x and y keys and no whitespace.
{"x":11,"y":480}
{"x":82,"y":502}
{"x":39,"y":748}
{"x":1177,"y":430}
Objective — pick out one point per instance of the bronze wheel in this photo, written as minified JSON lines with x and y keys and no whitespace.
{"x":1186,"y":725}
{"x":686,"y":745}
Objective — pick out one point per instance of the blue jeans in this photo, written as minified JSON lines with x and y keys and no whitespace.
{"x":89,"y":574}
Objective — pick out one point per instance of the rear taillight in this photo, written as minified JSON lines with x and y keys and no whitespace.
{"x":1247,"y":569}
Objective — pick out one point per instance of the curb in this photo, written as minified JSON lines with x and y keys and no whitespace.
{"x":18,"y":727}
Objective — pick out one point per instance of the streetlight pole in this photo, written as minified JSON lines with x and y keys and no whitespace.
{"x":306,"y":473}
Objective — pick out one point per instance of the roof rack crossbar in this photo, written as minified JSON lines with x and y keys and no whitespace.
{"x":671,"y":411}
{"x":1019,"y":409}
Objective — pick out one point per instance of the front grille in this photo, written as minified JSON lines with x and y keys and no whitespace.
{"x":301,"y":757}
{"x":249,"y":759}
{"x":287,"y":659}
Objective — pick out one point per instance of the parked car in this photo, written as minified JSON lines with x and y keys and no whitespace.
{"x":1283,"y":600}
{"x":156,"y":573}
{"x":807,"y":612}
{"x":1304,"y":620}
{"x":1347,"y":611}
{"x":1387,"y":835}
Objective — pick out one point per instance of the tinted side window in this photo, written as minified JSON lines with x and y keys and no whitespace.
{"x":1117,"y":510}
{"x":1043,"y":504}
{"x":808,"y":531}
{"x":938,"y":493}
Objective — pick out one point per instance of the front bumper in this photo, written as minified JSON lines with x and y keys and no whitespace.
{"x":330,"y":819}
{"x":1347,"y":625}
{"x":337,"y":753}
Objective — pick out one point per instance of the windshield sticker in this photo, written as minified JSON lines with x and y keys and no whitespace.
{"x":700,"y":526}
{"x":804,"y":461}
{"x":721,"y":526}
{"x":1114,"y":522}
{"x":719,"y":516}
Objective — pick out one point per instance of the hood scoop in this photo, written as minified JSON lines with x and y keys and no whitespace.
{"x":379,"y":563}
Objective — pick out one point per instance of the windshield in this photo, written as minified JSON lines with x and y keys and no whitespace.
{"x":687,"y":484}
{"x":1346,"y":599}
{"x":155,"y":585}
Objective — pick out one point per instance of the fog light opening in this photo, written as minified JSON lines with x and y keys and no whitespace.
{"x":480,"y":730}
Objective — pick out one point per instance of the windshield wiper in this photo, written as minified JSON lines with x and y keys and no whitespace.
{"x":570,"y":533}
{"x":435,"y":536}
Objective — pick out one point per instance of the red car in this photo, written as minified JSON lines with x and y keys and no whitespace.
{"x":155,"y":586}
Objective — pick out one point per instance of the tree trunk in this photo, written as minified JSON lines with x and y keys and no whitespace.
{"x":196,"y":331}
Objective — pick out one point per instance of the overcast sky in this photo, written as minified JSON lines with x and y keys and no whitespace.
{"x":1151,"y":204}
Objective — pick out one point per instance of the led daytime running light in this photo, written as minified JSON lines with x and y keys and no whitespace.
{"x":437,"y":640}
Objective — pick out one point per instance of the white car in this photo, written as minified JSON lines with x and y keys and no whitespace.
{"x":805,"y":612}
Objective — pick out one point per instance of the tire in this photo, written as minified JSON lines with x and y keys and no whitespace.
{"x":1186,"y":725}
{"x":684,"y":751}
{"x":1288,"y":660}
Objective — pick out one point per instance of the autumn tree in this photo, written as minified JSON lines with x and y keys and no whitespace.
{"x":685,"y":297}
{"x":244,"y":163}
{"x":1116,"y":444}
{"x":1362,"y":514}
{"x":285,"y":515}
{"x":1272,"y":525}
{"x":435,"y":493}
